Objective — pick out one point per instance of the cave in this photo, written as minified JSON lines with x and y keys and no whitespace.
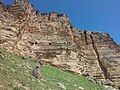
{"x":49,"y":43}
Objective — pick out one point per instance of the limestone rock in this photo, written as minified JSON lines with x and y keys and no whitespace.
{"x":51,"y":37}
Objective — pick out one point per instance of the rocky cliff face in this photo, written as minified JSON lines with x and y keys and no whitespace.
{"x":50,"y":37}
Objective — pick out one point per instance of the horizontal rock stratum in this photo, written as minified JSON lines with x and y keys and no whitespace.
{"x":50,"y":37}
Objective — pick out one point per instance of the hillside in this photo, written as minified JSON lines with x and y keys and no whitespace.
{"x":50,"y":37}
{"x":15,"y":74}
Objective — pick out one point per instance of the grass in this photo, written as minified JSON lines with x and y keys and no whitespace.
{"x":15,"y":74}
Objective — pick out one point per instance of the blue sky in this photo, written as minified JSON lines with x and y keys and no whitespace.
{"x":94,"y":15}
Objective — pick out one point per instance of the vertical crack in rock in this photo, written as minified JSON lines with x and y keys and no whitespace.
{"x":85,"y":33}
{"x":103,"y":68}
{"x":72,"y":36}
{"x":19,"y":36}
{"x":49,"y":16}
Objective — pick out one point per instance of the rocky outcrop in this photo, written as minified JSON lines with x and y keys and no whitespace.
{"x":50,"y":37}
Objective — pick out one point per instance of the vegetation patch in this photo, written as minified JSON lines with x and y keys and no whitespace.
{"x":15,"y":74}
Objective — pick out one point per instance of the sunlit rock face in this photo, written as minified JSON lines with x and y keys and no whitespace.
{"x":50,"y":37}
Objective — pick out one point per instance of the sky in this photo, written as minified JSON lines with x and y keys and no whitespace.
{"x":93,"y":15}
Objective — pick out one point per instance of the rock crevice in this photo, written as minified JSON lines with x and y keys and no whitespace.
{"x":103,"y":68}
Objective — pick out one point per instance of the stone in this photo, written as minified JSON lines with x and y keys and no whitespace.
{"x":62,"y":86}
{"x":50,"y":37}
{"x":81,"y":88}
{"x":110,"y":88}
{"x":37,"y":72}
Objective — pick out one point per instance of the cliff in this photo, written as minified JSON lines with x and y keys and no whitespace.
{"x":50,"y":37}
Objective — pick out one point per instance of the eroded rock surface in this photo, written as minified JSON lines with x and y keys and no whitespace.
{"x":51,"y":37}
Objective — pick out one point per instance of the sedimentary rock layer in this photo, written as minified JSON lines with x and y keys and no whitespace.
{"x":50,"y":37}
